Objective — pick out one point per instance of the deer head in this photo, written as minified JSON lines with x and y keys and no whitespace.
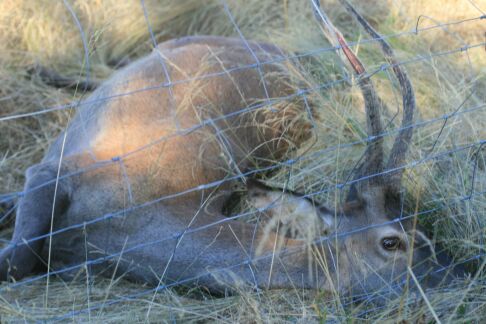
{"x":366,"y":243}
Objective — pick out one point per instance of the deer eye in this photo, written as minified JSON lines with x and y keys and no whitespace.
{"x":391,"y":243}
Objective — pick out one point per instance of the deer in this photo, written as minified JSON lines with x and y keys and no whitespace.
{"x":136,"y":184}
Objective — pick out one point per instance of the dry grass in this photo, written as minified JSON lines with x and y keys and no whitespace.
{"x":44,"y":32}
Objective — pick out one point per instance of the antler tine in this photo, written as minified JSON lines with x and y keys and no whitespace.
{"x":403,"y":139}
{"x":373,"y":162}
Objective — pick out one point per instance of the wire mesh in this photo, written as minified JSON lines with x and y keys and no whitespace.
{"x":133,"y":206}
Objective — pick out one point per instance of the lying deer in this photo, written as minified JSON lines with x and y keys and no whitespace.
{"x":137,"y":182}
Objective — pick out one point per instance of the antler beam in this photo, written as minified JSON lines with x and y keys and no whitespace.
{"x":402,"y":142}
{"x":374,"y":156}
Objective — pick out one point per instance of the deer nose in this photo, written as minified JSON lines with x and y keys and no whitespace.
{"x":440,"y":273}
{"x":444,"y":274}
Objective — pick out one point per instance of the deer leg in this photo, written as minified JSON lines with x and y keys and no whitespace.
{"x":33,"y":219}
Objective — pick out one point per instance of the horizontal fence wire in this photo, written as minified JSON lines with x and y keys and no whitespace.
{"x":122,"y":212}
{"x":214,"y":184}
{"x":396,"y":219}
{"x":439,"y":206}
{"x":315,"y":52}
{"x":115,"y":159}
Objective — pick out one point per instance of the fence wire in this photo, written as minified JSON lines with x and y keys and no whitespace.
{"x":465,"y":108}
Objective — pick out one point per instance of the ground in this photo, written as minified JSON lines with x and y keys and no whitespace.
{"x":440,"y":43}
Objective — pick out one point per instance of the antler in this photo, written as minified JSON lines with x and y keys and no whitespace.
{"x":374,"y":157}
{"x":373,"y":163}
{"x":404,"y":137}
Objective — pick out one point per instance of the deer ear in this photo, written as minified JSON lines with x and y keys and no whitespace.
{"x":274,"y":202}
{"x":293,"y":210}
{"x":262,"y":197}
{"x":270,"y":199}
{"x":256,"y":188}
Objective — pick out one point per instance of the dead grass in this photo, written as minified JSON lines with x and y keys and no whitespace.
{"x":44,"y":32}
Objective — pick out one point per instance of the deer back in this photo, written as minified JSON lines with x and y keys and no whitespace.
{"x":192,"y":104}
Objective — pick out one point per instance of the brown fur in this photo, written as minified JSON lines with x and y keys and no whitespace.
{"x":150,"y":162}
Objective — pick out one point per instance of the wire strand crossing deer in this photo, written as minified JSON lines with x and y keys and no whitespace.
{"x":166,"y":221}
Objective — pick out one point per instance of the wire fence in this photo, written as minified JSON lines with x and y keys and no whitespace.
{"x":190,"y":230}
